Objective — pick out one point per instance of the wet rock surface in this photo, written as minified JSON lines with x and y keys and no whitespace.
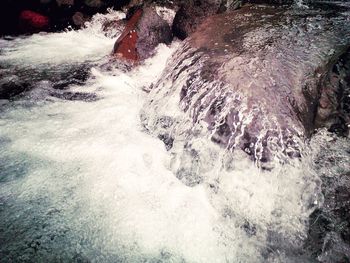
{"x":144,"y":30}
{"x":192,"y":13}
{"x":253,"y":78}
{"x":152,"y":30}
{"x":334,"y":104}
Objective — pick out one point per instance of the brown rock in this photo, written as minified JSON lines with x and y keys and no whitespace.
{"x":144,"y":30}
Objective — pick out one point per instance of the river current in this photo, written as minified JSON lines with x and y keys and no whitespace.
{"x":82,"y":180}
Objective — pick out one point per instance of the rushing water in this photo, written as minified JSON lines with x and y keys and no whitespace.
{"x":81,"y":180}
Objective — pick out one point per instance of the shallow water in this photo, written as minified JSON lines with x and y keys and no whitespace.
{"x":82,"y":181}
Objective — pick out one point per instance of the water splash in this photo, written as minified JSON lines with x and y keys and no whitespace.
{"x":84,"y":181}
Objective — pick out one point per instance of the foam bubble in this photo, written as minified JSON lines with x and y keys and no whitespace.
{"x":84,"y":180}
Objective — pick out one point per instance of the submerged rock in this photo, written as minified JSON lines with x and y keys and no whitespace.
{"x":251,"y":79}
{"x":11,"y":86}
{"x":74,"y":96}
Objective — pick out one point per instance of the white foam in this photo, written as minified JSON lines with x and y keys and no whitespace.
{"x":114,"y":183}
{"x":72,"y":46}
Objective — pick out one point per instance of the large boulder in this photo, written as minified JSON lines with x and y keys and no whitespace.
{"x":144,"y":30}
{"x":152,"y":30}
{"x":251,"y":79}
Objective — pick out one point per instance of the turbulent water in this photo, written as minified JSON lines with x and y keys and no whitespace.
{"x":81,"y":180}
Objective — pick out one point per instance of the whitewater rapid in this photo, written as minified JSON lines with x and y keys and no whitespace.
{"x":83,"y":181}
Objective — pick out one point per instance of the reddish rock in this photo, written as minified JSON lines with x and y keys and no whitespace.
{"x":30,"y":21}
{"x":143,"y":32}
{"x":125,"y":46}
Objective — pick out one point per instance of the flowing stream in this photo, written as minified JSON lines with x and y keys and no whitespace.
{"x":81,"y":180}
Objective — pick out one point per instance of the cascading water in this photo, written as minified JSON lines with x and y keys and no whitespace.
{"x":82,"y":180}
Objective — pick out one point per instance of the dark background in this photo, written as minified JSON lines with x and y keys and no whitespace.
{"x":60,"y":16}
